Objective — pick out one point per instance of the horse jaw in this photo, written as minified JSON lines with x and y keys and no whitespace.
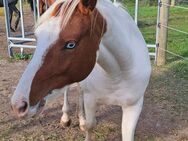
{"x":37,"y":109}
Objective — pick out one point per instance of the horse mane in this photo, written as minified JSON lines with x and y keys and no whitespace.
{"x":64,"y":8}
{"x":120,"y":5}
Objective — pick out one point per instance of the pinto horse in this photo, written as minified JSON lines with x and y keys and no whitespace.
{"x":43,"y":5}
{"x":96,"y":44}
{"x":12,"y":8}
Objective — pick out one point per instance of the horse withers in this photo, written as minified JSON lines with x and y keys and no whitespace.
{"x":96,"y":44}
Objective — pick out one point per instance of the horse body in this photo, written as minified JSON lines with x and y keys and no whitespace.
{"x":67,"y":53}
{"x":119,"y":77}
{"x":122,"y":55}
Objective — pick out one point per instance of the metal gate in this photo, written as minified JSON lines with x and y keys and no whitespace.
{"x":21,"y":39}
{"x":27,"y":40}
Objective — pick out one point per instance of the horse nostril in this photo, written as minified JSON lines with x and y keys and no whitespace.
{"x":23,"y":107}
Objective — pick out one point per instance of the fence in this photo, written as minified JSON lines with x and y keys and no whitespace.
{"x":163,"y":27}
{"x":23,"y":39}
{"x":26,"y":40}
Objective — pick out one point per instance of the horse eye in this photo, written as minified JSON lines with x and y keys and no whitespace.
{"x":70,"y":45}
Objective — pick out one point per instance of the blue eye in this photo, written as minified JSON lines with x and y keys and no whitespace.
{"x":70,"y":45}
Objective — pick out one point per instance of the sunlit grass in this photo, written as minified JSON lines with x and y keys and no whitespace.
{"x":176,"y":43}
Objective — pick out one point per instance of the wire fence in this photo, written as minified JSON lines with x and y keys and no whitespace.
{"x":175,"y":6}
{"x":174,"y":29}
{"x":174,"y":54}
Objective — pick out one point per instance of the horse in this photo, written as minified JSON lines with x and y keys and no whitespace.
{"x":43,"y":5}
{"x":96,"y":44}
{"x":12,"y":8}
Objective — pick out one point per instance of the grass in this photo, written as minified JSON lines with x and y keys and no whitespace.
{"x":177,"y":42}
{"x":24,"y":56}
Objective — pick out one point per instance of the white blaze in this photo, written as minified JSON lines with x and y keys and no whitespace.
{"x":47,"y":33}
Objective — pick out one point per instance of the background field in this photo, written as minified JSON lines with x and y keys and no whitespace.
{"x":177,"y":42}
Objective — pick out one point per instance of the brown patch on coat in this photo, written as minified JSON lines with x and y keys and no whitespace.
{"x":65,"y":66}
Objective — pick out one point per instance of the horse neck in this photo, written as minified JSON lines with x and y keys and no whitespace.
{"x":114,"y":53}
{"x":122,"y":49}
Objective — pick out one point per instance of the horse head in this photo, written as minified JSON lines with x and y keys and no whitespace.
{"x":68,"y":37}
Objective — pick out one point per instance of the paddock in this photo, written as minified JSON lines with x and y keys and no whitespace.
{"x":164,"y":116}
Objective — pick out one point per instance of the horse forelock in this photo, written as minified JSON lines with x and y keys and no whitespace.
{"x":62,"y":8}
{"x":65,"y":9}
{"x":47,"y":14}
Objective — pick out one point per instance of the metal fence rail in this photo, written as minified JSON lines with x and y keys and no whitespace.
{"x":171,"y":28}
{"x":174,"y":29}
{"x":24,"y":40}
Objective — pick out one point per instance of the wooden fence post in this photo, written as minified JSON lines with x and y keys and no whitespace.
{"x":173,"y":2}
{"x":163,"y":33}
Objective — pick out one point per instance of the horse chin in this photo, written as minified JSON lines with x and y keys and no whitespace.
{"x":37,"y":109}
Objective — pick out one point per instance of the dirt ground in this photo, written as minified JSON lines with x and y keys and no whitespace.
{"x":164,"y":116}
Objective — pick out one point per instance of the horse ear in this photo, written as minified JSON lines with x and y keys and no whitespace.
{"x":87,"y":6}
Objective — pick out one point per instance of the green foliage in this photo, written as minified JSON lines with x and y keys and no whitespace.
{"x":180,"y":68}
{"x":18,"y":56}
{"x":177,"y":42}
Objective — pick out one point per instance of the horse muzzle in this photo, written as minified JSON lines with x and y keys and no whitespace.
{"x":22,"y":109}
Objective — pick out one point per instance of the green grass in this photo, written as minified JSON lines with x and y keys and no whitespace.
{"x":18,"y":56}
{"x":177,"y":42}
